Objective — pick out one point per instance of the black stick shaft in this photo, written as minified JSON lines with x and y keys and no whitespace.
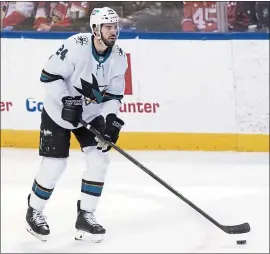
{"x":146,"y":170}
{"x":162,"y":182}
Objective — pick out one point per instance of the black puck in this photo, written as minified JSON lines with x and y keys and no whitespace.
{"x":241,"y":242}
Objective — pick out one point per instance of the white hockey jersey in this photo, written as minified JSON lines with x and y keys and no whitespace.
{"x":76,"y":69}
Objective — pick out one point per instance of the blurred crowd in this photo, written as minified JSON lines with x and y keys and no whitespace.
{"x":145,"y":16}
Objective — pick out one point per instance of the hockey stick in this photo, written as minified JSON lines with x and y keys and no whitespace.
{"x":234,"y":229}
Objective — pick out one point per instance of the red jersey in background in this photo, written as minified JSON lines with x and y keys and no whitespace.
{"x":51,"y":14}
{"x":15,"y":13}
{"x":199,"y":17}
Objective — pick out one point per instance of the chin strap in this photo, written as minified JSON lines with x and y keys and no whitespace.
{"x":100,"y":39}
{"x":103,"y":42}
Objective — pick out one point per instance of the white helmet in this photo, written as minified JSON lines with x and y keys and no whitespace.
{"x":101,"y":16}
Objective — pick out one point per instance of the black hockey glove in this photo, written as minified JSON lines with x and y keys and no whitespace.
{"x":98,"y":123}
{"x":72,"y":109}
{"x":113,"y":127}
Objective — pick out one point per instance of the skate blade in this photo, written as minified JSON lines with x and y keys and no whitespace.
{"x":85,"y":236}
{"x":42,"y":238}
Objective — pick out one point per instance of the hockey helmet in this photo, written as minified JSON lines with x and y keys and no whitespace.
{"x":101,"y":16}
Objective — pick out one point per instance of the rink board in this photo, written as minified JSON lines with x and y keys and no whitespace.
{"x":158,"y":141}
{"x":209,"y":92}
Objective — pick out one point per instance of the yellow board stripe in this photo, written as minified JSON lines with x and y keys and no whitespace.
{"x":157,"y":141}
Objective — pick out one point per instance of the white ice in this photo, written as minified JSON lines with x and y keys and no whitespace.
{"x":140,"y":215}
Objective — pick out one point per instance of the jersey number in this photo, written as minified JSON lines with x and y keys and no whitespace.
{"x":202,"y":15}
{"x":62,"y":52}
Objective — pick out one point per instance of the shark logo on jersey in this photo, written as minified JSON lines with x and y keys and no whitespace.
{"x":91,"y":91}
{"x":82,"y":40}
{"x":119,"y":50}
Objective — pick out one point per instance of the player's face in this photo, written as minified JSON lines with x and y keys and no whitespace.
{"x":110,"y":33}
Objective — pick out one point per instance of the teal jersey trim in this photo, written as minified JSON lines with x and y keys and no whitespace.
{"x":100,"y":58}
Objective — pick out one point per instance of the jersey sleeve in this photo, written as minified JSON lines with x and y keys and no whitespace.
{"x":113,"y":96}
{"x":188,"y":24}
{"x":115,"y":92}
{"x":57,"y":68}
{"x":117,"y":82}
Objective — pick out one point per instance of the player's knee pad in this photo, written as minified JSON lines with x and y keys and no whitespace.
{"x":54,"y":140}
{"x":97,"y":164}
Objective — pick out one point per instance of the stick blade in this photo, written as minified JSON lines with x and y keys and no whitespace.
{"x":237,"y":229}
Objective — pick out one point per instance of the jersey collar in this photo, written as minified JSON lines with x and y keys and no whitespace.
{"x":100,"y":58}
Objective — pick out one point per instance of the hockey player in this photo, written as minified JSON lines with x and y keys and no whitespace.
{"x":84,"y":78}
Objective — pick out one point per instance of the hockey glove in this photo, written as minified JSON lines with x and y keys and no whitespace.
{"x":99,"y":124}
{"x":113,"y":127}
{"x":72,"y":109}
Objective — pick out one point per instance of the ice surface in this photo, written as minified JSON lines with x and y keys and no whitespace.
{"x":140,"y":215}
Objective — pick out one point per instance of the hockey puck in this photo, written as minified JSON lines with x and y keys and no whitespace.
{"x":241,"y":242}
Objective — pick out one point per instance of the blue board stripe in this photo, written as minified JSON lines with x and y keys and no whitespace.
{"x":141,"y":35}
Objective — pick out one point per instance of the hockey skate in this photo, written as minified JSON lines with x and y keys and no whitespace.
{"x":87,"y":226}
{"x":36,"y":223}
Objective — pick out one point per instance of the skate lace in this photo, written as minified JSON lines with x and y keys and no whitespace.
{"x":90,"y":218}
{"x":38,"y":218}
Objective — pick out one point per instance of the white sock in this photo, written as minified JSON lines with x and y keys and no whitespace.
{"x":49,"y":172}
{"x":93,"y":178}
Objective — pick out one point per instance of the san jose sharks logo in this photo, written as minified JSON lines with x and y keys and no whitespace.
{"x":81,"y":40}
{"x":91,"y":91}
